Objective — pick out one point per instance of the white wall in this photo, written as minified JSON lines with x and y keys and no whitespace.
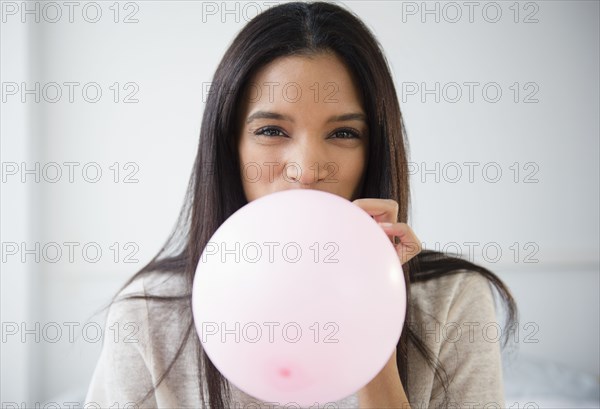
{"x":16,"y":278}
{"x":175,"y":47}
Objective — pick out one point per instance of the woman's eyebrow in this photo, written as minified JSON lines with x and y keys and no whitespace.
{"x":268,"y":115}
{"x":357,"y":116}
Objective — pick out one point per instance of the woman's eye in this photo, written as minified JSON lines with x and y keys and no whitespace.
{"x":340,"y":134}
{"x":350,"y":134}
{"x":268,"y":132}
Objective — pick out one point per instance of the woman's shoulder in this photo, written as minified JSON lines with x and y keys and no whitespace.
{"x":148,"y":310}
{"x":150,"y":298}
{"x":451,"y":293}
{"x":146,"y":328}
{"x":155,"y":284}
{"x":455,"y":317}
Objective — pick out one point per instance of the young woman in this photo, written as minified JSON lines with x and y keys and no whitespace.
{"x":308,"y":85}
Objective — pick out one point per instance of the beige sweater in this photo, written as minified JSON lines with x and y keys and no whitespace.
{"x":142,"y":337}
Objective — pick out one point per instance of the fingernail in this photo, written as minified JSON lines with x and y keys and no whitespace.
{"x":385,"y":224}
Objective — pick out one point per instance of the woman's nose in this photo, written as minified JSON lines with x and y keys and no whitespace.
{"x":306,"y":166}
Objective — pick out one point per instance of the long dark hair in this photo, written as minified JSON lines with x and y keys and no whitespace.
{"x":215,"y":189}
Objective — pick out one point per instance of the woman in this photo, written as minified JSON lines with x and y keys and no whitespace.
{"x":304,"y":95}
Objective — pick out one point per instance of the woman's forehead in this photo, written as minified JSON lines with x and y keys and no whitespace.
{"x":323,"y":79}
{"x":301,"y":67}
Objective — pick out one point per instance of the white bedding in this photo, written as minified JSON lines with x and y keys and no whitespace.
{"x":532,"y":383}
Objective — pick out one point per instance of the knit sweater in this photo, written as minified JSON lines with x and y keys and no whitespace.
{"x":454,"y":315}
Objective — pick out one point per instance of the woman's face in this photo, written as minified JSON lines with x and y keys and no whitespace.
{"x":302,"y":126}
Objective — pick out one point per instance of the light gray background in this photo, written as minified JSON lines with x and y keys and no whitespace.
{"x":171,"y":54}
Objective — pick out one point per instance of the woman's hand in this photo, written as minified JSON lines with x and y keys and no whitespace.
{"x":385,"y":212}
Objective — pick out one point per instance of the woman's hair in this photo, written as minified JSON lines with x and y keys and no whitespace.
{"x":215,"y":188}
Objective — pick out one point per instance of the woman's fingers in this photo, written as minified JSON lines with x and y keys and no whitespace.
{"x":385,"y":212}
{"x":382,"y":210}
{"x":409,"y":245}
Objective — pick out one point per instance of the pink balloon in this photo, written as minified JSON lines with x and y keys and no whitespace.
{"x":299,"y":297}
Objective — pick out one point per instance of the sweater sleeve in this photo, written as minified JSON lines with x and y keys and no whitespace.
{"x":121,"y":377}
{"x":470,"y":349}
